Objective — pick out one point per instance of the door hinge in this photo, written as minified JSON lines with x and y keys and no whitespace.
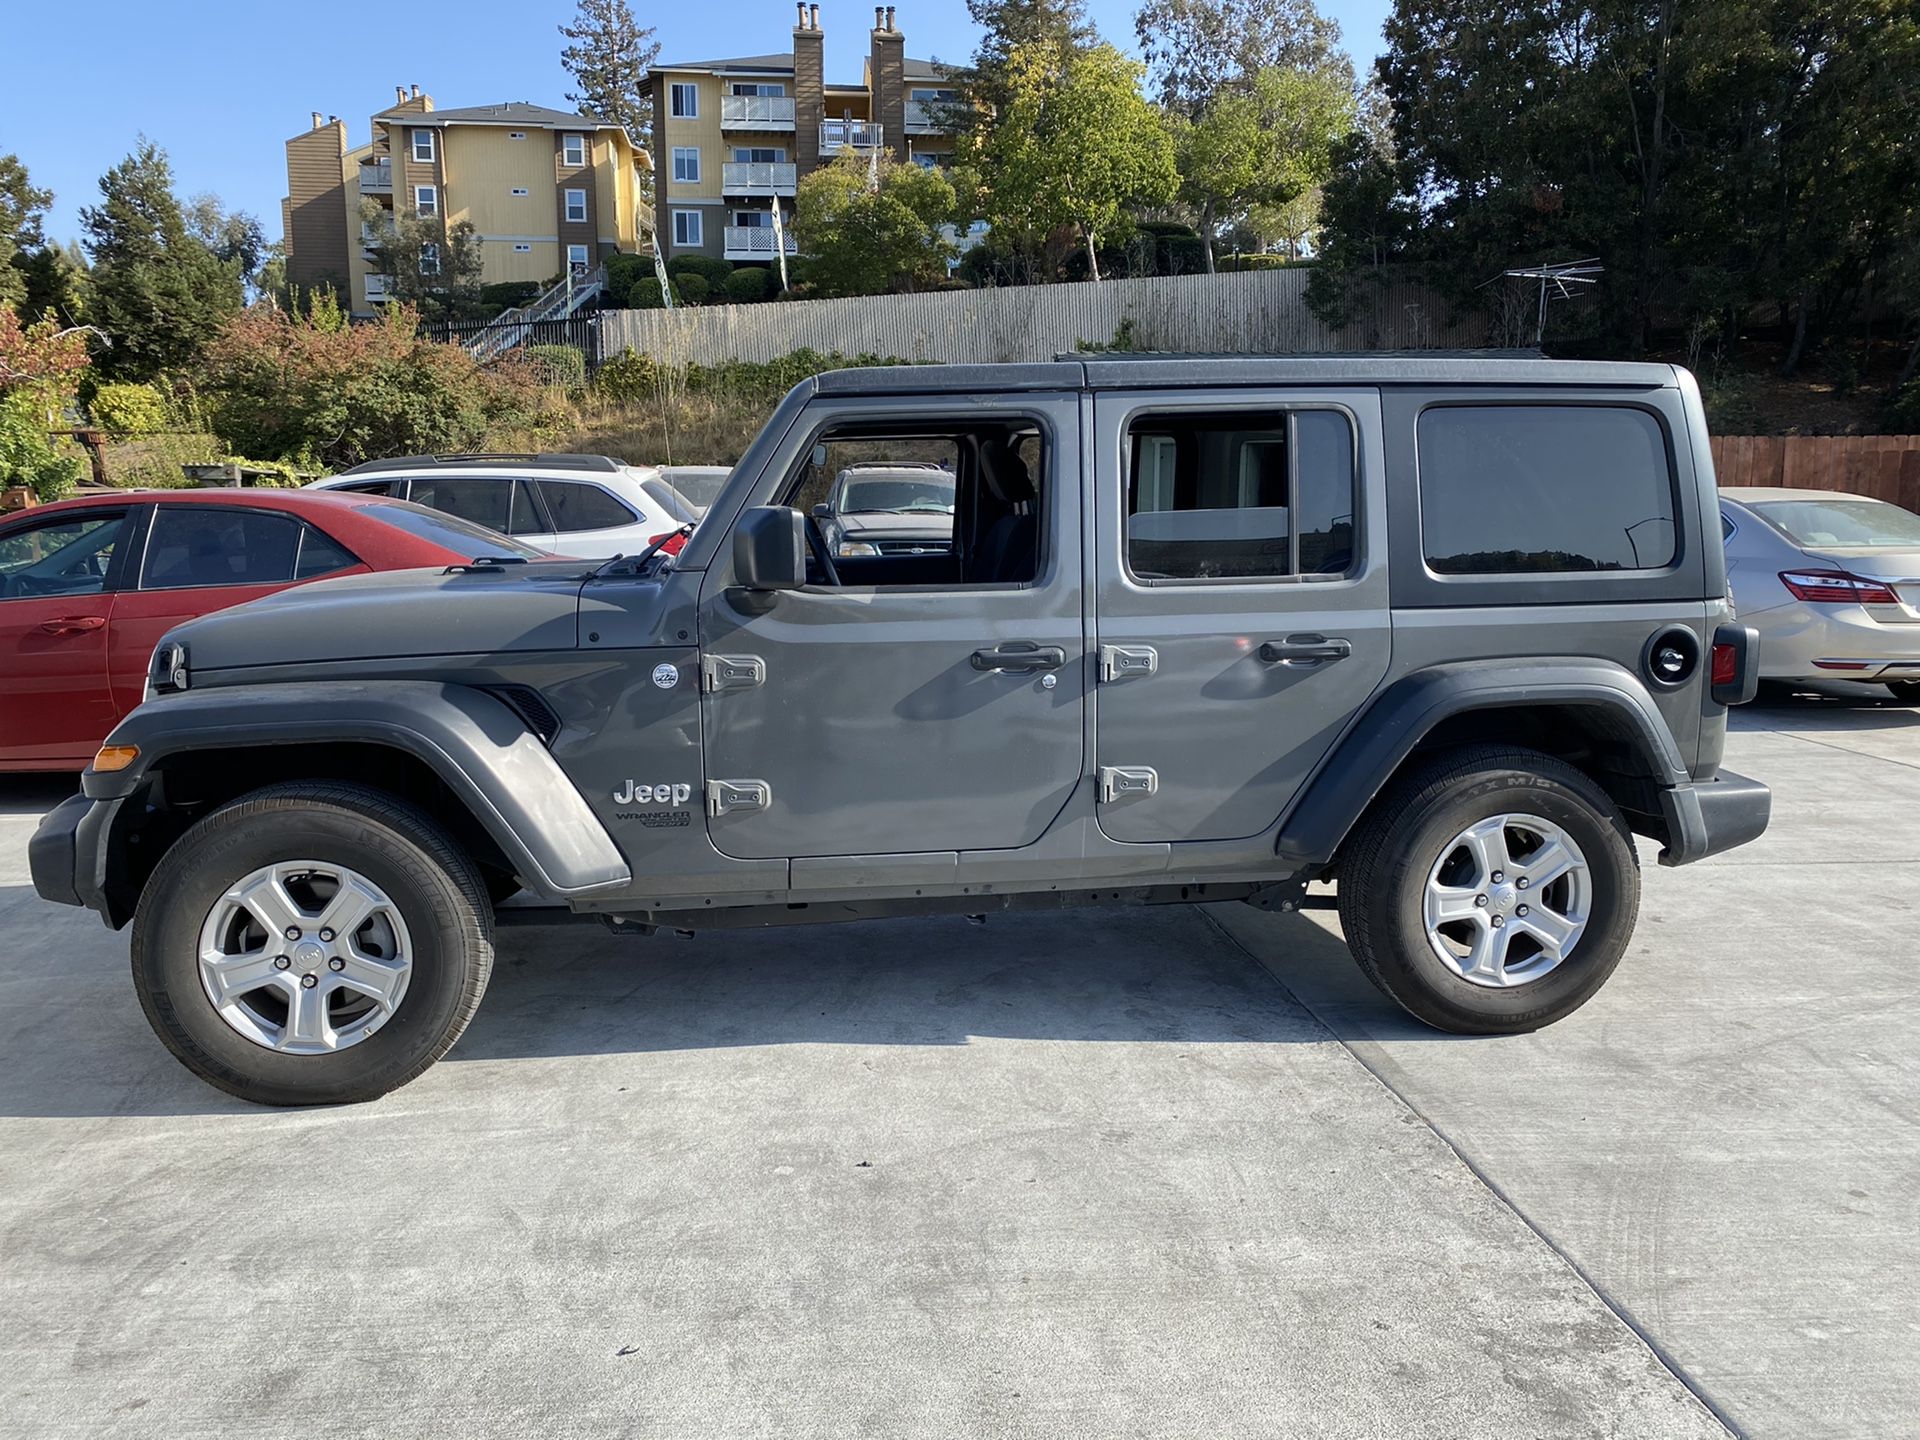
{"x":731,"y":672}
{"x":726,"y":796}
{"x":1125,"y":662}
{"x":1128,"y":782}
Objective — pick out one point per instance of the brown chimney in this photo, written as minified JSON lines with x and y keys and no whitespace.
{"x":809,"y":88}
{"x":887,"y":67}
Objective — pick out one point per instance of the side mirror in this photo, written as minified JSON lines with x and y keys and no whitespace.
{"x":823,"y":511}
{"x":770,"y":548}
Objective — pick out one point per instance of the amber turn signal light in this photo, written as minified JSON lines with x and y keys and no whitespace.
{"x":115,"y":757}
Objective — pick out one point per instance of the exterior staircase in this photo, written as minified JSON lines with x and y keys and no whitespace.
{"x":512,"y":328}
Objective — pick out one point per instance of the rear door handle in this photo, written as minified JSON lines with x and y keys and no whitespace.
{"x":1020,"y":657}
{"x":73,"y":624}
{"x":1304,"y":651}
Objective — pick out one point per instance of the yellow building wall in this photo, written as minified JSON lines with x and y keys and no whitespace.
{"x":704,"y":132}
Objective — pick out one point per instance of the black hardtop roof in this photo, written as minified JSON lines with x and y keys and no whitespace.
{"x":602,"y":463}
{"x":1142,"y":371}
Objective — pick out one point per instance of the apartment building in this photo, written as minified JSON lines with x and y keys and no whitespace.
{"x":543,"y":188}
{"x":731,"y":138}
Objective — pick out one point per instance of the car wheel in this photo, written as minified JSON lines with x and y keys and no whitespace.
{"x":1907,"y":691}
{"x":1491,"y":891}
{"x":312,"y":944}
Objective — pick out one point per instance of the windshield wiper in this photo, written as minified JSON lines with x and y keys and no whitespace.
{"x":619,"y":562}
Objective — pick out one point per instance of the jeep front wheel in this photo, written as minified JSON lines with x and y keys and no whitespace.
{"x":312,"y":944}
{"x":1490,"y":892}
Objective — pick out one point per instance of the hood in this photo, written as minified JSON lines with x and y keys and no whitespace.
{"x":395,"y":613}
{"x":896,"y":525}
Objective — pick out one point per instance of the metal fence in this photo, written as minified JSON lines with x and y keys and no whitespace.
{"x":1886,"y":467}
{"x":580,"y":332}
{"x":1256,"y":312}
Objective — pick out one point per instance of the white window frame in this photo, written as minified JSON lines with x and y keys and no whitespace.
{"x":521,"y":247}
{"x":577,"y":255}
{"x":519,"y":192}
{"x":516,"y":134}
{"x":689,"y":229}
{"x":431,"y":196}
{"x":760,"y":88}
{"x":422,"y":132}
{"x":692,"y":175}
{"x":678,"y":90}
{"x":429,"y":252}
{"x":743,"y":154}
{"x":573,"y":150}
{"x":573,"y":219}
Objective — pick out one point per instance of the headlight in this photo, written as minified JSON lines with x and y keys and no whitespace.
{"x":854,"y":550}
{"x":167,"y":672}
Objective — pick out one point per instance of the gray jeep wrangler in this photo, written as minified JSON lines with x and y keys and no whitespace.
{"x":1446,"y":632}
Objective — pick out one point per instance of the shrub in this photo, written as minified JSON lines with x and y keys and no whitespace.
{"x":154,"y":461}
{"x":627,"y":379}
{"x":707,"y":267}
{"x":1258,"y":261}
{"x":128,"y":410}
{"x":560,"y":365}
{"x":749,"y":284}
{"x":508,"y":294}
{"x":645,"y":295}
{"x":28,"y":455}
{"x":624,"y":272}
{"x":691,"y":289}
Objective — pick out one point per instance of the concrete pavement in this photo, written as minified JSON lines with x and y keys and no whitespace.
{"x":1086,"y":1174}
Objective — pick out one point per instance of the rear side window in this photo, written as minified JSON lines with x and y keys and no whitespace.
{"x":1240,"y":495}
{"x":320,"y":555}
{"x":1541,"y":489}
{"x":396,"y":488}
{"x":191,"y":548}
{"x":582,"y":507}
{"x":486,"y":501}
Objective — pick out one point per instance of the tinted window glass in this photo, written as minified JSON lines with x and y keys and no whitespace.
{"x":64,"y":556}
{"x":527,"y":517}
{"x":582,"y":507}
{"x":190,"y":547}
{"x":374,"y":487}
{"x":1212,"y":496}
{"x":1842,"y":522}
{"x":462,"y":537}
{"x":1531,"y":489}
{"x":485,"y":502}
{"x":320,"y":555}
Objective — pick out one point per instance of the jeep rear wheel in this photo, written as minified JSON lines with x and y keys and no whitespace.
{"x":312,"y":944}
{"x":1490,"y":892}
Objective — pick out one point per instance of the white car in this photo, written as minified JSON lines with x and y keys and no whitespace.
{"x":589,"y":506}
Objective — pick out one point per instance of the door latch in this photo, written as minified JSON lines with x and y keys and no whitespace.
{"x":1305,"y":651}
{"x":732,"y":672}
{"x":1127,"y":782}
{"x":1125,"y":662}
{"x":726,"y":796}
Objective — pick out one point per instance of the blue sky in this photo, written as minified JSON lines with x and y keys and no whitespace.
{"x":221,"y":85}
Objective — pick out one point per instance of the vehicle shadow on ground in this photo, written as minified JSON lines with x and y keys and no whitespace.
{"x":1834,"y":706}
{"x":34,"y":795}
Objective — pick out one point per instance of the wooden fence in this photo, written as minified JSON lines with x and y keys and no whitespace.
{"x":1255,"y":312}
{"x":1886,"y":467}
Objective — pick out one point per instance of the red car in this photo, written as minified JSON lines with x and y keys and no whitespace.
{"x":88,"y":587}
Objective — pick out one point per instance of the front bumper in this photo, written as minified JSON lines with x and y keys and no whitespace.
{"x":1710,"y":816}
{"x":67,"y":859}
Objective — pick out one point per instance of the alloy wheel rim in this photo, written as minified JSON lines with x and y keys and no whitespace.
{"x":305,"y":957}
{"x":1507,"y":900}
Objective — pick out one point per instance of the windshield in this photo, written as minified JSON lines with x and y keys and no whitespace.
{"x":463,"y":537}
{"x":932,"y":493}
{"x":700,"y":485}
{"x":1843,"y":523}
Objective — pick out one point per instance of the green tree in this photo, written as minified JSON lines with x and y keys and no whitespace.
{"x":158,"y":292}
{"x":233,"y":235}
{"x":863,"y":238}
{"x":985,"y":84}
{"x":1194,"y":48}
{"x":1075,"y":145}
{"x":427,"y":263}
{"x":22,"y":207}
{"x":608,"y":54}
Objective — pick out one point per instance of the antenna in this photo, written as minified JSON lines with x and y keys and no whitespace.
{"x":1560,"y":281}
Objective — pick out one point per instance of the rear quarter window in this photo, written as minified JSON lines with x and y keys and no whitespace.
{"x":1544,"y":489}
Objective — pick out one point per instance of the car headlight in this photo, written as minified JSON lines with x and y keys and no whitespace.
{"x":167,"y":672}
{"x":854,"y":550}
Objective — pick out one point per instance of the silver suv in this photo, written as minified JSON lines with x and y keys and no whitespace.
{"x":1447,"y":633}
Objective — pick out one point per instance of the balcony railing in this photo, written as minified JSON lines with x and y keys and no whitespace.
{"x":753,"y":242}
{"x":757,"y":177}
{"x":377,"y":291}
{"x":756,"y":112}
{"x":376,"y":177}
{"x":838,"y":135}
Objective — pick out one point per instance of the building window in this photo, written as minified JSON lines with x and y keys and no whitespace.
{"x":573,"y":151}
{"x":423,"y":146}
{"x":759,"y":155}
{"x":686,"y":228}
{"x":577,"y":259}
{"x":929,"y":162}
{"x":686,"y":164}
{"x":426,"y":200}
{"x":519,"y":191}
{"x":429,"y":259}
{"x":577,"y":207}
{"x":522,"y":248}
{"x":934,"y":97}
{"x":749,"y":87}
{"x":516,"y":134}
{"x":683,"y":101}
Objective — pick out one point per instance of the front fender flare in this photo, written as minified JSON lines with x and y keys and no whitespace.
{"x":1403,"y":714}
{"x":479,"y":748}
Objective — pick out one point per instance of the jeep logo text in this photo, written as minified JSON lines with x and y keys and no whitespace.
{"x":634,"y":793}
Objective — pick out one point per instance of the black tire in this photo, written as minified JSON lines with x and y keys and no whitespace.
{"x":436,"y":887}
{"x":1383,"y":875}
{"x":1905,"y":691}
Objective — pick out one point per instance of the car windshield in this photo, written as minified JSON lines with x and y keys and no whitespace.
{"x":463,"y":537}
{"x":931,"y":493}
{"x":699,"y":485}
{"x":1843,"y":523}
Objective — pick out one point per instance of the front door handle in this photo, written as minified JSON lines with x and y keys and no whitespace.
{"x":73,"y":624}
{"x":1304,"y":651}
{"x":1020,"y":657}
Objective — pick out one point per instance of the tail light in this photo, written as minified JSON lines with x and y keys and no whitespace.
{"x":1836,"y":587}
{"x":1734,"y":676}
{"x":1726,"y":665}
{"x":671,"y":543}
